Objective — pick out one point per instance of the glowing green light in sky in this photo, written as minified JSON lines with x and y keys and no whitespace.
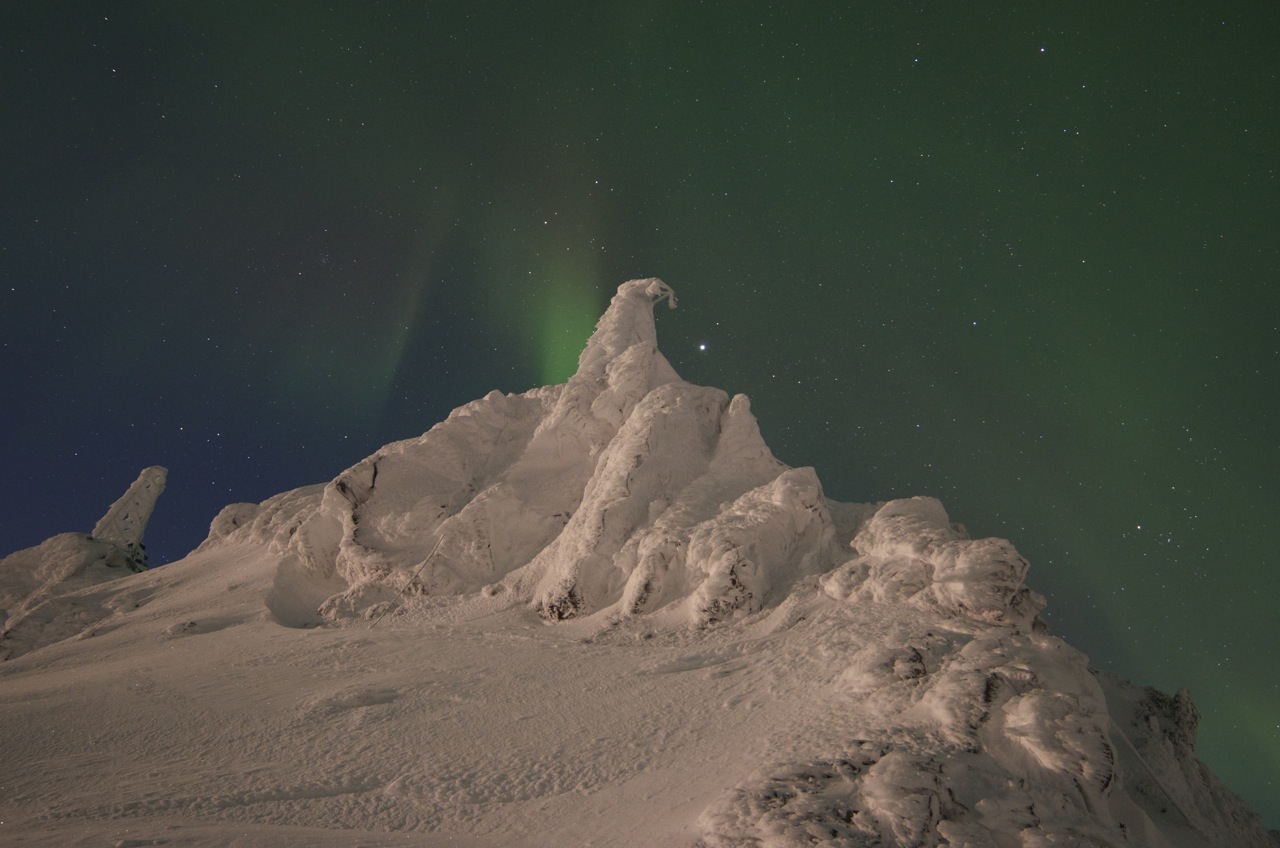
{"x":566,"y":311}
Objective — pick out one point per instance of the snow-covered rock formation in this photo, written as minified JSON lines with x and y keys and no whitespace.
{"x":37,"y":584}
{"x":627,"y":489}
{"x":612,"y":617}
{"x":909,"y":552}
{"x":126,"y":520}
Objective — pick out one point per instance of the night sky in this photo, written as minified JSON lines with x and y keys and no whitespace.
{"x":1023,"y":261}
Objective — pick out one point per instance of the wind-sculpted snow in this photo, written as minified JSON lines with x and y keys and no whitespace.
{"x":980,"y":737}
{"x":597,"y":613}
{"x":754,"y":550}
{"x":662,"y":446}
{"x":51,"y":592}
{"x":909,"y":552}
{"x":60,"y":564}
{"x":1157,"y":737}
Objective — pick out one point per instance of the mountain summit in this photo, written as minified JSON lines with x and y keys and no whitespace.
{"x":595,"y":613}
{"x":626,"y":490}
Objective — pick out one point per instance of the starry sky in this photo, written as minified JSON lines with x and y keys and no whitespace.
{"x":1023,"y":260}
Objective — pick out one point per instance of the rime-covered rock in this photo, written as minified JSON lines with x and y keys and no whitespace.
{"x":43,"y":595}
{"x":910,"y":552}
{"x":126,"y":521}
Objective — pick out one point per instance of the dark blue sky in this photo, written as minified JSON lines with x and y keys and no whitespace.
{"x":1024,"y":261}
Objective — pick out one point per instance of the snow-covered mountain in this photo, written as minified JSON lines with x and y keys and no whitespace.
{"x":600,"y":613}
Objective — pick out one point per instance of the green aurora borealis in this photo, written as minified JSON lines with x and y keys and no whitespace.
{"x":1022,"y":260}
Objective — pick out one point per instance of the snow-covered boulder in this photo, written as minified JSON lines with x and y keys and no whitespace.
{"x":910,"y":552}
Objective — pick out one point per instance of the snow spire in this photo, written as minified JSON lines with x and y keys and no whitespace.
{"x":620,"y":365}
{"x":126,"y":520}
{"x":627,"y":322}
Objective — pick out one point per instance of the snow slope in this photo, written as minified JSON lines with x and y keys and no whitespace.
{"x":593,"y":614}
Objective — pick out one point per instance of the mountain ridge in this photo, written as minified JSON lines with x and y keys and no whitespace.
{"x":662,"y":605}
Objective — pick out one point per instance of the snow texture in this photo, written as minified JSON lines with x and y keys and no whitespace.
{"x":600,"y":613}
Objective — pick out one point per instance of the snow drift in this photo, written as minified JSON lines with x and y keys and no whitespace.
{"x":605,"y":613}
